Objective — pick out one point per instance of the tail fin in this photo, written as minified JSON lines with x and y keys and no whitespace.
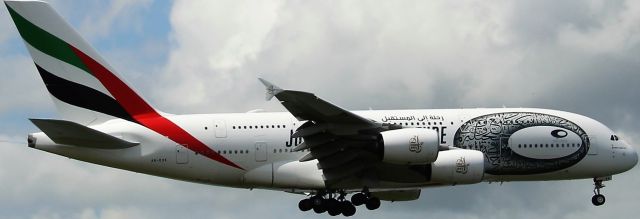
{"x":83,"y":86}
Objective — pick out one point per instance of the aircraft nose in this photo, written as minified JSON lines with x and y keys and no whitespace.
{"x":634,"y":157}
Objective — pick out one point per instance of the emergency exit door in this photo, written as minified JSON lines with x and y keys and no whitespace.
{"x":261,"y":151}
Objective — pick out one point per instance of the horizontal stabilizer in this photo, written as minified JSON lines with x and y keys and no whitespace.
{"x":71,"y":133}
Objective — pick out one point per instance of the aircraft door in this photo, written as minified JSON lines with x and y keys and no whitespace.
{"x":220,"y":127}
{"x":182,"y":155}
{"x":593,"y":148}
{"x":261,"y":151}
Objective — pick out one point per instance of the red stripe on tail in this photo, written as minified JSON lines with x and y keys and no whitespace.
{"x":144,"y":114}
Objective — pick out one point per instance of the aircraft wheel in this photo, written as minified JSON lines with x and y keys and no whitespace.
{"x":373,"y":203}
{"x":598,"y":200}
{"x":347,"y":208}
{"x":358,"y":199}
{"x":305,"y":205}
{"x":319,"y":205}
{"x":333,"y":207}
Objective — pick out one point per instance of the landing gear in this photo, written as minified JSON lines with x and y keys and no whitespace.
{"x":305,"y":204}
{"x":358,"y":199}
{"x":598,"y":199}
{"x":347,"y":208}
{"x":319,"y":204}
{"x":335,"y":203}
{"x":372,"y":203}
{"x":364,"y":197}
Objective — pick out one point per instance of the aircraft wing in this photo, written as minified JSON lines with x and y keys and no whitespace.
{"x":343,"y":143}
{"x":307,"y":106}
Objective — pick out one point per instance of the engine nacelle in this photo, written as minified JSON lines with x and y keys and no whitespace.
{"x":409,"y":146}
{"x":458,"y":167}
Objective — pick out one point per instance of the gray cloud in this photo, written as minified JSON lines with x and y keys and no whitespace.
{"x":576,"y":56}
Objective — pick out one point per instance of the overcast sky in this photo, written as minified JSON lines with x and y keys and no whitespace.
{"x":204,"y":57}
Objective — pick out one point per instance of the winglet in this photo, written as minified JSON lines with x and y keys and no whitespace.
{"x":272,"y":89}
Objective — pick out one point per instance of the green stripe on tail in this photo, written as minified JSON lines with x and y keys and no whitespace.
{"x":46,"y":42}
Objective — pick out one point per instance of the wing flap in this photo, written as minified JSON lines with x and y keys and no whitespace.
{"x":71,"y":133}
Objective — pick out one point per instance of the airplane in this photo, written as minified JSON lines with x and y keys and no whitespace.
{"x":316,"y":149}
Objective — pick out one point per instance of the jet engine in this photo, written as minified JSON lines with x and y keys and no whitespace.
{"x":458,"y":167}
{"x":409,"y":146}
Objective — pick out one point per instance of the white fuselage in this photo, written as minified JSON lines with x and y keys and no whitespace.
{"x":261,"y":144}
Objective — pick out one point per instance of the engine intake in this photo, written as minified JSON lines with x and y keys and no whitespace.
{"x":409,"y":146}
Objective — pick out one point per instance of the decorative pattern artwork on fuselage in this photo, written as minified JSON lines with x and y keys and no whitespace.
{"x":490,"y":134}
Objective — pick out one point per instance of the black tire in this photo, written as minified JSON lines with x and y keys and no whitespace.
{"x":373,"y":203}
{"x":358,"y":199}
{"x":319,"y":209}
{"x":347,"y":208}
{"x":305,"y":205}
{"x":319,"y":204}
{"x":598,"y":200}
{"x":333,"y":207}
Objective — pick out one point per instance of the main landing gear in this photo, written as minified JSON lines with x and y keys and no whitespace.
{"x":335,"y":203}
{"x":598,"y":199}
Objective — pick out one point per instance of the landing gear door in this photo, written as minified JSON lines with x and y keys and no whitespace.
{"x":220,"y":128}
{"x":261,"y":151}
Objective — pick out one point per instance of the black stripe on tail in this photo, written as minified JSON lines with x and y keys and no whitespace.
{"x":82,"y":96}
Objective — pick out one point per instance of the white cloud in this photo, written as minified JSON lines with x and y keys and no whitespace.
{"x":21,"y":86}
{"x":5,"y":26}
{"x":615,"y":34}
{"x":118,"y":13}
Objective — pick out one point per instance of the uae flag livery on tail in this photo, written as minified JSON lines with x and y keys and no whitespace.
{"x":85,"y":89}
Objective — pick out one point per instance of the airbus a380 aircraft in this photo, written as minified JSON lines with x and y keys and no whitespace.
{"x":316,"y":149}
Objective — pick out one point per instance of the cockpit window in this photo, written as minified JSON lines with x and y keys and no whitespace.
{"x":614,"y":138}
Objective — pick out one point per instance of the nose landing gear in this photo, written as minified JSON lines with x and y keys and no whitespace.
{"x":598,"y":199}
